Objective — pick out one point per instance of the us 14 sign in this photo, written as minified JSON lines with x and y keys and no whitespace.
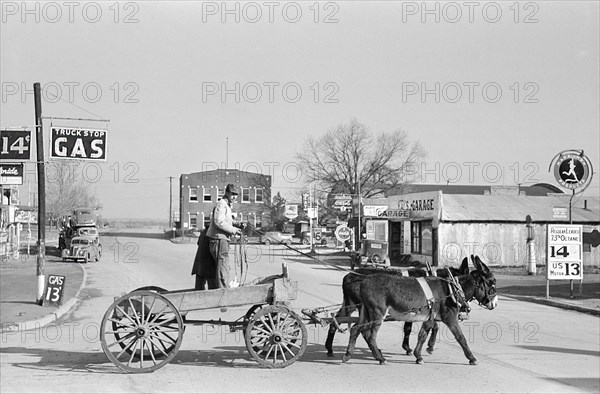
{"x":564,"y":251}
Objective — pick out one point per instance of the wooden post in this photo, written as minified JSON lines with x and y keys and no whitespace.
{"x":41,"y":174}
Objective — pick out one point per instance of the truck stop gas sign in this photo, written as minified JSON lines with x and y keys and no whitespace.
{"x":80,"y":144}
{"x":564,"y":248}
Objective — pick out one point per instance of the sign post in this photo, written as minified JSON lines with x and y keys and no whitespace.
{"x":563,"y":254}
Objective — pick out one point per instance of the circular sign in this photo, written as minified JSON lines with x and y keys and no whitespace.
{"x":342,"y":233}
{"x":572,"y":170}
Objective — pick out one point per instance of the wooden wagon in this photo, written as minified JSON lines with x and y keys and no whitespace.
{"x":143,"y":330}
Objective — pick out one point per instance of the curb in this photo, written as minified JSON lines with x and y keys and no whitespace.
{"x":556,"y":304}
{"x":44,"y":321}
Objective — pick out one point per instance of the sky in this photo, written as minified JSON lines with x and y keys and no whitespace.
{"x":492,"y":90}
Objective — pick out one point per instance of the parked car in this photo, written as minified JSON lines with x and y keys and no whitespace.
{"x":83,"y":217}
{"x":85,"y":248}
{"x":276,"y":237}
{"x":87,"y":231}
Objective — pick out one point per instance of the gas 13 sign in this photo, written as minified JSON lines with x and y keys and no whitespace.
{"x":564,"y":251}
{"x":80,"y":144}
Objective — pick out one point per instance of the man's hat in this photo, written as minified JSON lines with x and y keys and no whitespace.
{"x":231,"y":188}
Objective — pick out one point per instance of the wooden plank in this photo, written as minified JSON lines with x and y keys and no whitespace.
{"x":219,"y":298}
{"x":279,"y":290}
{"x":284,"y":290}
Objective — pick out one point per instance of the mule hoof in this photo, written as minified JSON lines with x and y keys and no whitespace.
{"x":409,"y":352}
{"x":330,"y":355}
{"x":382,"y":362}
{"x":473,"y":362}
{"x":420,"y":361}
{"x":345,"y":358}
{"x":430,"y":350}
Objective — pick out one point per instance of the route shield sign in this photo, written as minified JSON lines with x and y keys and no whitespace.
{"x":564,"y":248}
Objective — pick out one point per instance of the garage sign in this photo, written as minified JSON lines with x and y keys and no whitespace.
{"x":564,"y":251}
{"x":80,"y":144}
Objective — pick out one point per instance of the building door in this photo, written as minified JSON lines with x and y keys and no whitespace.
{"x":396,"y":242}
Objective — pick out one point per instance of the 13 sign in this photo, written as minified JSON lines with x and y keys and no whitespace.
{"x":54,"y":290}
{"x":15,"y":145}
{"x":564,"y":251}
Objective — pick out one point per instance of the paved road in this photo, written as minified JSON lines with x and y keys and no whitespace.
{"x":521,"y":347}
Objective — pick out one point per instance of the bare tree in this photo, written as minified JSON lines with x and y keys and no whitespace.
{"x":350,"y":154}
{"x":66,"y":189}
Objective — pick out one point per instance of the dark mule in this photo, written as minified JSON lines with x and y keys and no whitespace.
{"x":404,"y":299}
{"x":351,"y":303}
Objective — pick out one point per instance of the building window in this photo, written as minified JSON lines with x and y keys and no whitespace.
{"x":193,"y":194}
{"x":258,"y":195}
{"x":415,"y":235}
{"x":206,"y":220}
{"x":245,"y":194}
{"x":193,"y":220}
{"x":206,"y":195}
{"x":426,"y":238}
{"x":220,"y":193}
{"x":258,"y":221}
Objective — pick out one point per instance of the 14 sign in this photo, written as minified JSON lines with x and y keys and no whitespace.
{"x":15,"y":145}
{"x":80,"y":144}
{"x":564,"y":251}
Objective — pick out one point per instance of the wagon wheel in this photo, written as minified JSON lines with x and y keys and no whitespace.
{"x":276,"y":336}
{"x":147,"y":331}
{"x":252,"y":311}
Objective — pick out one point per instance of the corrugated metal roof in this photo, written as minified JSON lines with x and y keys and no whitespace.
{"x":468,"y":208}
{"x":540,"y":189}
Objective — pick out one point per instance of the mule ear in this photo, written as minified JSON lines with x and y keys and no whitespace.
{"x":483,"y":268}
{"x":475,"y":263}
{"x":464,"y":267}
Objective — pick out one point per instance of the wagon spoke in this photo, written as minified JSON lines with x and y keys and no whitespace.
{"x":120,"y":322}
{"x":142,"y":352}
{"x":168,"y":338}
{"x":126,"y":337}
{"x":131,"y":357}
{"x":148,"y":345}
{"x":151,"y":340}
{"x":125,"y":314}
{"x":164,"y":322}
{"x":137,"y":320}
{"x":281,"y":347}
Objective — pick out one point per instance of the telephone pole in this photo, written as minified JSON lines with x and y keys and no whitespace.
{"x":170,"y":202}
{"x":41,"y":174}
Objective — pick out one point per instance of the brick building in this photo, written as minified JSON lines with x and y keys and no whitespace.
{"x":200,"y":191}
